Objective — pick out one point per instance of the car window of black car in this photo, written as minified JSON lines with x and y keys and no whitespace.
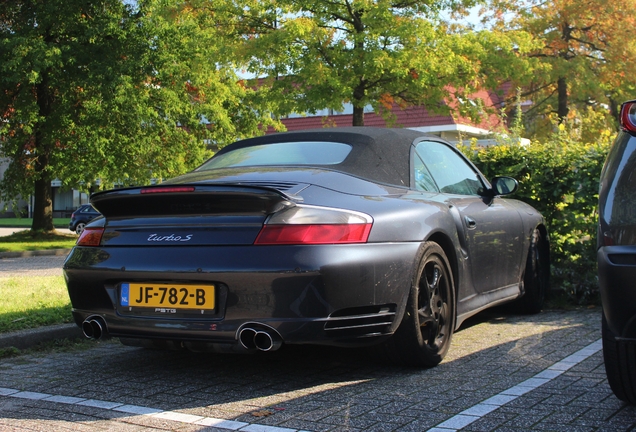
{"x":451,"y":173}
{"x":423,"y":179}
{"x":287,"y":153}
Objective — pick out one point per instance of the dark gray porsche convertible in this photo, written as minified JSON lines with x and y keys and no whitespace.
{"x":348,"y":237}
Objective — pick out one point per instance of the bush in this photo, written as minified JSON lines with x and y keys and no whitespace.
{"x":560,"y":178}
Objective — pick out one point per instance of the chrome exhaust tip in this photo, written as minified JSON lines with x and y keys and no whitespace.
{"x":94,"y":327}
{"x":259,"y":337}
{"x":246,"y":337}
{"x":267,"y":342}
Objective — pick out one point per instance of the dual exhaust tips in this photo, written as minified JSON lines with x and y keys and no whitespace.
{"x":251,"y":336}
{"x":259,"y":337}
{"x":94,"y":327}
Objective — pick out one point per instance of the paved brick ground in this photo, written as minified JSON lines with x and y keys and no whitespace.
{"x":323,"y":389}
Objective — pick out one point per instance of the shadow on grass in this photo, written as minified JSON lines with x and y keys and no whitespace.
{"x":14,"y":321}
{"x":28,"y":240}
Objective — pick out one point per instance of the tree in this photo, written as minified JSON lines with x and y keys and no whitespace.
{"x":587,"y":50}
{"x":111,"y":92}
{"x":318,"y":54}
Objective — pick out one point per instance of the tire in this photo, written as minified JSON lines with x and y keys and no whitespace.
{"x":426,"y":330}
{"x":80,"y":227}
{"x":620,"y":365}
{"x":536,"y":277}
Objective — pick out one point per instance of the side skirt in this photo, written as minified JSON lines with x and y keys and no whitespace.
{"x":477,"y":303}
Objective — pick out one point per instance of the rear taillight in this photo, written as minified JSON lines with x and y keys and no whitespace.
{"x":315,"y":225}
{"x":90,"y":237}
{"x":313,"y":234}
{"x":628,"y":116}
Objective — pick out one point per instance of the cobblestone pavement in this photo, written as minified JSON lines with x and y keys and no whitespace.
{"x":503,"y":373}
{"x":32,"y":266}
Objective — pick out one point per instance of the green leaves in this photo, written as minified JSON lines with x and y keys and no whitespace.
{"x":381,"y":53}
{"x":109,"y":93}
{"x":584,"y":52}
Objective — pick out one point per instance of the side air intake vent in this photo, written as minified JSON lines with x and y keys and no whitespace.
{"x":361,"y":322}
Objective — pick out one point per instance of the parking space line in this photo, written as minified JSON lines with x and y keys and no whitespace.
{"x":454,"y":423}
{"x":478,"y":411}
{"x":140,"y":410}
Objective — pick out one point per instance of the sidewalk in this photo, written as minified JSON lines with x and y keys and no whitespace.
{"x":8,"y":231}
{"x":36,"y":265}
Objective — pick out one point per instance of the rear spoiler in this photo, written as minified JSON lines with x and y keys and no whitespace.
{"x":186,"y":199}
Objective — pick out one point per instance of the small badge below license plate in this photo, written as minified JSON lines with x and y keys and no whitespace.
{"x":173,"y":296}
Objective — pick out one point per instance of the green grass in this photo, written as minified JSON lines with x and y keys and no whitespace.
{"x":26,"y":222}
{"x":28,"y":241}
{"x":33,"y":301}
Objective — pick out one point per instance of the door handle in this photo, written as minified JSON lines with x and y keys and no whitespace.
{"x":470,"y":223}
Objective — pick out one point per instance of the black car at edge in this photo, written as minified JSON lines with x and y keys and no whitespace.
{"x":617,"y":258}
{"x":345,"y":237}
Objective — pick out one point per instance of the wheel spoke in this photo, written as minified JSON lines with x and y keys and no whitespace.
{"x":433,"y":285}
{"x":433,"y":310}
{"x":443,"y":314}
{"x":425,"y":316}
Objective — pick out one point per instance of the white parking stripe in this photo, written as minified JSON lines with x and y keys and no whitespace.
{"x":454,"y":423}
{"x":478,"y":411}
{"x":31,"y":395}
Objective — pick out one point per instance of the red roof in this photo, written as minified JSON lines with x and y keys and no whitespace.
{"x":410,"y":117}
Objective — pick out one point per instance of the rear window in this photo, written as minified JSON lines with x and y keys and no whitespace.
{"x":288,"y":153}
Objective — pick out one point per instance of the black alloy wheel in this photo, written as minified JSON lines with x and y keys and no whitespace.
{"x":434,"y":311}
{"x":425,"y":333}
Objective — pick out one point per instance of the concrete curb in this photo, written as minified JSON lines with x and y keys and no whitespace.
{"x":24,"y":254}
{"x":28,"y":338}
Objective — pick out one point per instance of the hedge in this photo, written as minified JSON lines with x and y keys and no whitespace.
{"x":560,"y":178}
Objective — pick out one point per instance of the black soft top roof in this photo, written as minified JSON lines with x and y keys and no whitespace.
{"x":378,"y":154}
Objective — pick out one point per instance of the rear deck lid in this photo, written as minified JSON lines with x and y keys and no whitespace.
{"x":187,"y":215}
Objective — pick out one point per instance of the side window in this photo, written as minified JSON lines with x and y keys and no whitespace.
{"x":451,"y":173}
{"x":423,"y":179}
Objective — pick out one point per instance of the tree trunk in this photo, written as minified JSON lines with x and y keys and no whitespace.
{"x":43,"y":194}
{"x":43,"y":205}
{"x":358,"y":116}
{"x":615,"y":110}
{"x":359,"y":93}
{"x":562,"y":108}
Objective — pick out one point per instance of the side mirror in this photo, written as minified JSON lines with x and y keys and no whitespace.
{"x":504,"y":185}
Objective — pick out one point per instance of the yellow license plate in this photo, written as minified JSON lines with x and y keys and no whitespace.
{"x":174,"y":296}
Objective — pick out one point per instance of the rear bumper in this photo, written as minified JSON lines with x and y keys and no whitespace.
{"x":617,"y":281}
{"x":327,"y":294}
